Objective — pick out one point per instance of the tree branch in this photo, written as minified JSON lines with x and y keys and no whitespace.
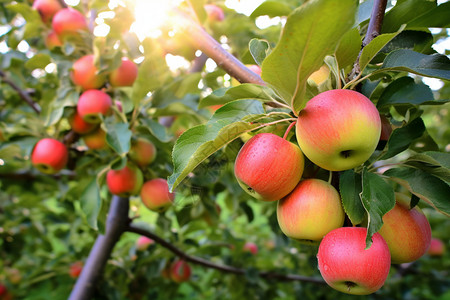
{"x":116,"y":224}
{"x":222,"y":268}
{"x":198,"y":63}
{"x":24,"y":95}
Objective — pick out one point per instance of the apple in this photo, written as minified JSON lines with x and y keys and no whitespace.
{"x":155,"y":195}
{"x":250,"y":247}
{"x":268,"y":167}
{"x":406,"y":231}
{"x":79,"y":125}
{"x":321,"y":75}
{"x":47,"y":9}
{"x":95,"y":140}
{"x":386,"y":128}
{"x":346,"y":266}
{"x":125,"y":182}
{"x":180,"y":271}
{"x":310,"y":211}
{"x":85,"y":73}
{"x":52,"y":41}
{"x":143,"y":242}
{"x":338,"y":129}
{"x":125,"y":75}
{"x":68,"y":23}
{"x":4,"y":293}
{"x":214,"y":13}
{"x":49,"y":156}
{"x":142,"y":152}
{"x":75,"y":269}
{"x":437,"y":247}
{"x":93,"y":103}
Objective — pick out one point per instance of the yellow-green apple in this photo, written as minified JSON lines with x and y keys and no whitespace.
{"x":338,"y":129}
{"x":49,"y":156}
{"x":319,"y":76}
{"x":47,"y":9}
{"x":68,"y":23}
{"x":155,"y":195}
{"x":92,"y":104}
{"x":406,"y":231}
{"x":310,"y":211}
{"x":75,"y":269}
{"x":85,"y":74}
{"x":250,"y":247}
{"x":268,"y":167}
{"x":180,"y":271}
{"x":142,"y":152}
{"x":143,"y":243}
{"x":125,"y":182}
{"x":346,"y":266}
{"x":437,"y":247}
{"x":79,"y":125}
{"x":214,"y":13}
{"x":125,"y":74}
{"x":52,"y":41}
{"x":95,"y":140}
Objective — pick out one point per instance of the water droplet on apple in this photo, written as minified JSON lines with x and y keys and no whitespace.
{"x":325,"y":267}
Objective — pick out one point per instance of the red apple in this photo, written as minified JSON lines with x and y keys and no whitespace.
{"x":47,"y":9}
{"x":143,"y":242}
{"x":52,"y":41}
{"x":75,"y":269}
{"x":155,"y":195}
{"x":4,"y":293}
{"x":95,"y":140}
{"x":93,"y":103}
{"x":49,"y":156}
{"x":79,"y":125}
{"x":437,"y":247}
{"x":68,"y":23}
{"x":142,"y":152}
{"x":310,"y":211}
{"x":347,"y":267}
{"x":338,"y":129}
{"x":180,"y":271}
{"x":125,"y":75}
{"x":386,"y":128}
{"x":214,"y":12}
{"x":250,"y":247}
{"x":85,"y":73}
{"x":268,"y":167}
{"x":124,"y":182}
{"x":406,"y":231}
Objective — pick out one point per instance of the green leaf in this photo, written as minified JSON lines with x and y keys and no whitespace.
{"x":90,"y":202}
{"x":312,"y":31}
{"x":33,"y":25}
{"x":348,"y":48}
{"x":259,"y":49}
{"x":401,"y":138}
{"x":434,"y":163}
{"x":272,"y":9}
{"x":405,"y":90}
{"x":425,"y":186}
{"x":158,"y":130}
{"x":378,"y":198}
{"x":38,"y":61}
{"x":436,"y":17}
{"x":198,"y":143}
{"x":118,"y":137}
{"x":404,"y":12}
{"x":350,"y":187}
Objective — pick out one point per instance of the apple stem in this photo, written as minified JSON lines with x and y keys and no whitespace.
{"x":288,"y":130}
{"x":330,"y":177}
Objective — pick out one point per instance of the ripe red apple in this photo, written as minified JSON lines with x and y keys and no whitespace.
{"x":437,"y":247}
{"x":49,"y":156}
{"x":125,"y":75}
{"x":93,"y":103}
{"x":68,"y":23}
{"x":52,"y":41}
{"x":214,"y":12}
{"x":142,"y":152}
{"x":347,"y":267}
{"x":143,"y":242}
{"x":250,"y":247}
{"x":268,"y":167}
{"x":95,"y":140}
{"x":338,"y":129}
{"x":310,"y":211}
{"x":47,"y":9}
{"x":180,"y":271}
{"x":406,"y":231}
{"x":75,"y":269}
{"x":156,"y":196}
{"x":85,"y":73}
{"x":386,"y":128}
{"x":125,"y":182}
{"x":79,"y":125}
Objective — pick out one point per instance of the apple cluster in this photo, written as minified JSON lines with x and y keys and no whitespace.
{"x":337,"y":130}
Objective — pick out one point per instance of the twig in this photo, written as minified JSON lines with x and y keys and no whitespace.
{"x":222,"y":268}
{"x":62,"y":3}
{"x":24,"y":95}
{"x":198,"y":63}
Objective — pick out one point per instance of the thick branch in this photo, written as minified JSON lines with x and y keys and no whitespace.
{"x":222,"y":268}
{"x":24,"y":95}
{"x":116,"y":224}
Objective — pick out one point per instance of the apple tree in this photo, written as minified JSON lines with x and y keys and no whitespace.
{"x":186,"y":149}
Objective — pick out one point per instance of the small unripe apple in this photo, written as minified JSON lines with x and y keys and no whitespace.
{"x":143,"y":243}
{"x":52,"y":41}
{"x":92,"y":104}
{"x":68,"y":23}
{"x":49,"y":156}
{"x":214,"y":13}
{"x":95,"y":140}
{"x":346,"y":266}
{"x":47,"y":9}
{"x":75,"y":269}
{"x":437,"y":247}
{"x":310,"y":211}
{"x":338,"y":129}
{"x":79,"y":125}
{"x":268,"y":167}
{"x":125,"y":75}
{"x":125,"y":182}
{"x":155,"y":195}
{"x":142,"y":152}
{"x":180,"y":271}
{"x":85,"y":73}
{"x":250,"y":247}
{"x":406,"y":231}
